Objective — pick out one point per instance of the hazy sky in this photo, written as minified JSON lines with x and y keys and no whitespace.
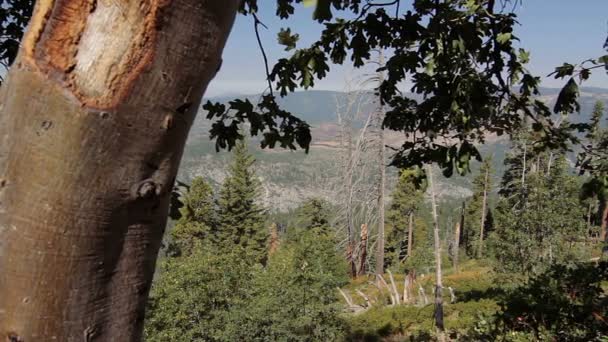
{"x":555,"y":31}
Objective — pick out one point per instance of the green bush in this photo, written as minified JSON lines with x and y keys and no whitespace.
{"x":566,"y":303}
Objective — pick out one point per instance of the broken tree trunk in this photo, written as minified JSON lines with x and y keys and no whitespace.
{"x":368,"y":303}
{"x":394,"y":287}
{"x":363,"y":250}
{"x":93,"y":121}
{"x":390,"y":291}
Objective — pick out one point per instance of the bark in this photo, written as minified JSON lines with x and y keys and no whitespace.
{"x":483,"y":214}
{"x":410,"y":236}
{"x":93,"y":121}
{"x":438,"y":276}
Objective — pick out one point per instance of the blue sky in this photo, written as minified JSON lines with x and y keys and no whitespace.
{"x":555,"y":31}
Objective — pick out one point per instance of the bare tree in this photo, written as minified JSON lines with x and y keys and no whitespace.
{"x":438,"y":275}
{"x":352,"y":185}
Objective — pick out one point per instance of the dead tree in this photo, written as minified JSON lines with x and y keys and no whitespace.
{"x":362,"y":255}
{"x":438,"y":281}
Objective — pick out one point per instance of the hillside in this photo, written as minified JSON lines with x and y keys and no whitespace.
{"x":289,"y":177}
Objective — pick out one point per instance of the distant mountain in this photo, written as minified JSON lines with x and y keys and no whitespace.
{"x":291,"y":177}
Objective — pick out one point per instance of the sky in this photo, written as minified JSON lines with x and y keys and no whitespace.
{"x":554,"y":31}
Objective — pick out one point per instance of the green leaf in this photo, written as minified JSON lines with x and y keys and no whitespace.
{"x":566,"y":69}
{"x":567,"y":101}
{"x":524,"y":56}
{"x":323,"y":11}
{"x":458,"y":44}
{"x":504,"y":38}
{"x":287,"y":39}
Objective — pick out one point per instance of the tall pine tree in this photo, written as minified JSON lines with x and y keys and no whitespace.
{"x":241,"y":218}
{"x":401,"y":229}
{"x":594,"y":161}
{"x":542,"y":223}
{"x":478,"y":217}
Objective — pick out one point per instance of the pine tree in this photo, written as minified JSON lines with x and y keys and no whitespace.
{"x":241,"y":219}
{"x":594,"y":162}
{"x":402,"y":226}
{"x":542,"y":224}
{"x":314,"y":214}
{"x":476,"y":223}
{"x":294,"y":297}
{"x":198,"y":222}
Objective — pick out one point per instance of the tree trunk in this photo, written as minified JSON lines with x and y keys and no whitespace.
{"x":363,"y":250}
{"x":381,"y":185}
{"x":439,"y":280}
{"x":604,"y":224}
{"x":456,"y":246}
{"x":483,"y":215}
{"x":523,"y":169}
{"x":410,"y":236}
{"x":93,"y":121}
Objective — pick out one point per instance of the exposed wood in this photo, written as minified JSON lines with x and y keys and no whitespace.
{"x":394,"y":287}
{"x":88,"y":158}
{"x":422,"y":296}
{"x":368,"y":303}
{"x":349,"y":301}
{"x":452,"y":295}
{"x":406,"y":289}
{"x":385,"y":284}
{"x":363,"y":250}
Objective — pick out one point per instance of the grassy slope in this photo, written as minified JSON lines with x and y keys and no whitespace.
{"x":474,"y":292}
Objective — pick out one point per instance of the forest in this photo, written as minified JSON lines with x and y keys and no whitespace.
{"x":103,"y":238}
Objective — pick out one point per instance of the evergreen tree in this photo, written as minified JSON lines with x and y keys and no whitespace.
{"x":594,"y":161}
{"x":314,"y":213}
{"x":541,"y":225}
{"x":198,"y":220}
{"x":241,"y":219}
{"x":294,"y":298}
{"x":406,"y":199}
{"x":478,"y":212}
{"x":194,"y":298}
